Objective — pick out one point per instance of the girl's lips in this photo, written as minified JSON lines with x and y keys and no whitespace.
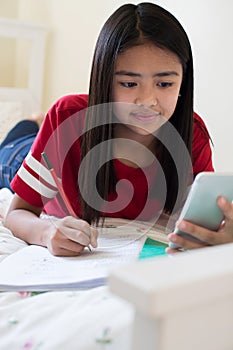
{"x":145,"y":117}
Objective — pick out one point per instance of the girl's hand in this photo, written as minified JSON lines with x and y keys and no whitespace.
{"x":209,"y":238}
{"x":69,"y":236}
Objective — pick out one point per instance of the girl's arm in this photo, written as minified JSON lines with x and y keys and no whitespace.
{"x":66,"y":237}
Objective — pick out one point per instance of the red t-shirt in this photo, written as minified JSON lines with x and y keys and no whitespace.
{"x":59,"y":138}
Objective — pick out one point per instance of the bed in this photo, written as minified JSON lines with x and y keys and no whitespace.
{"x":90,"y":319}
{"x":81,"y":319}
{"x":75,"y":319}
{"x":183,"y":303}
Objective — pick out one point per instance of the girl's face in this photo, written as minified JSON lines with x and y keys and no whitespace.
{"x":147,"y":82}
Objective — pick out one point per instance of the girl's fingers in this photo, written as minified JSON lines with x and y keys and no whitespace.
{"x":226,"y":207}
{"x":172,"y":251}
{"x":67,"y":248}
{"x":78,"y":231}
{"x":94,"y":236}
{"x":206,"y":236}
{"x":183,"y":242}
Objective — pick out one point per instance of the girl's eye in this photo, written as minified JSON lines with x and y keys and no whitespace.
{"x":164,"y":84}
{"x":128,"y":84}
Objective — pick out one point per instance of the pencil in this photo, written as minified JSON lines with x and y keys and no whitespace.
{"x":60,"y":188}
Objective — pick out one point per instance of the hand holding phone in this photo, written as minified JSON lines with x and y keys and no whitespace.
{"x":201,"y":206}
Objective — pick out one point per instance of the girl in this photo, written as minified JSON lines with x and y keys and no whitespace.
{"x":132,"y":152}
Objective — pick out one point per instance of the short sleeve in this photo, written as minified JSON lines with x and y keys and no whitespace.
{"x":201,"y":147}
{"x":33,"y":182}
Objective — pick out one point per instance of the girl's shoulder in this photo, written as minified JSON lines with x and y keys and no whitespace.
{"x":200,"y":129}
{"x":75,"y":102}
{"x":66,"y":107}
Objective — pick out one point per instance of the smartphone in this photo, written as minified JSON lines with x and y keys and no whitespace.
{"x":201,"y":207}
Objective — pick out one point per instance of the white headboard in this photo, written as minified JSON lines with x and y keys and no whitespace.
{"x":16,"y":103}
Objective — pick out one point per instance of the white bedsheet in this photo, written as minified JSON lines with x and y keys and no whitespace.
{"x":92,"y":319}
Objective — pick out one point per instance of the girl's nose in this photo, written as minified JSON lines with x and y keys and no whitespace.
{"x":146,"y":98}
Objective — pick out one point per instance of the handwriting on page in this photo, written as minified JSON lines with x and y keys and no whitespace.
{"x":34,"y":265}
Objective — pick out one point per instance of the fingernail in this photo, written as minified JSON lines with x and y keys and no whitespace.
{"x":182,"y":225}
{"x":172,"y":237}
{"x":222,"y":200}
{"x":94,"y":244}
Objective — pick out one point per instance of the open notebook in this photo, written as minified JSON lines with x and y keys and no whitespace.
{"x":33,"y":268}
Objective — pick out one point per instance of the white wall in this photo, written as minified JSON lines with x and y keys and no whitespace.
{"x":8,"y":9}
{"x":73,"y":29}
{"x":74,"y":26}
{"x":209,"y":25}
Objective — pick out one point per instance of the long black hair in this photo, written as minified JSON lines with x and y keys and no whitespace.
{"x":128,"y":26}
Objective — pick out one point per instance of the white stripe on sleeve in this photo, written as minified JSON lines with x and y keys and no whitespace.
{"x":35,"y":183}
{"x":39,"y":169}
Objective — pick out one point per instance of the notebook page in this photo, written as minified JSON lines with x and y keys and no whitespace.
{"x":34,"y":268}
